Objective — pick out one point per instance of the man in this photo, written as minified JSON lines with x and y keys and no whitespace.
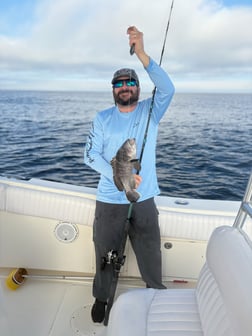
{"x":110,"y":129}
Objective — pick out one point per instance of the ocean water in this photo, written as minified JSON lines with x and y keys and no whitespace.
{"x":203,"y":150}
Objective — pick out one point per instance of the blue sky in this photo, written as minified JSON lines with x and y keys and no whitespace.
{"x":78,"y":44}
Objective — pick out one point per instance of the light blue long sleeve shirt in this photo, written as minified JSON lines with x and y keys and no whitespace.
{"x":111,"y":128}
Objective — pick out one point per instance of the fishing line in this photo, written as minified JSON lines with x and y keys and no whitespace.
{"x":154,"y":90}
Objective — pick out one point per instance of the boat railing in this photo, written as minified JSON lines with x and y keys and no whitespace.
{"x":245,"y":207}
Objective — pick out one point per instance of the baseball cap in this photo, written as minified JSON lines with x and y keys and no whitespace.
{"x":125,"y":72}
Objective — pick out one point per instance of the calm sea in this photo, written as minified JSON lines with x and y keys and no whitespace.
{"x":203,"y":150}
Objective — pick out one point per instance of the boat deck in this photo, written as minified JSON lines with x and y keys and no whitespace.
{"x":54,"y":307}
{"x":32,"y":216}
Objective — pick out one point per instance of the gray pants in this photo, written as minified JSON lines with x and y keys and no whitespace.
{"x":144,"y":235}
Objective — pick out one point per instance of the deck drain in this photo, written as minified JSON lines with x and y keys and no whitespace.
{"x":82,"y":324}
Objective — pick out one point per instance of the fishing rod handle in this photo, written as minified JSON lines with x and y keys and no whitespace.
{"x":132,"y":49}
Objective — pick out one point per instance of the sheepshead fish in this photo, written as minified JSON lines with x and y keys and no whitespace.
{"x":123,"y":164}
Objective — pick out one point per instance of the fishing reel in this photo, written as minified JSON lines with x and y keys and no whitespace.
{"x":112,"y":258}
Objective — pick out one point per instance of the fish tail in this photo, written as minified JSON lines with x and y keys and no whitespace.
{"x":132,"y":195}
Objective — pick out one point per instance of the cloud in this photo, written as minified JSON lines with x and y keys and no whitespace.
{"x":85,"y":41}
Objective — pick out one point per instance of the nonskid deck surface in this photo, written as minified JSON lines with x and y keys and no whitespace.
{"x":43,"y":308}
{"x":53,"y":307}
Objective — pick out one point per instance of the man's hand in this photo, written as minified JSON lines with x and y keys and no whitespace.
{"x":138,"y":180}
{"x":136,"y":38}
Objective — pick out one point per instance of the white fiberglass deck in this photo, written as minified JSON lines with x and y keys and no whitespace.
{"x":52,"y":307}
{"x":43,"y":308}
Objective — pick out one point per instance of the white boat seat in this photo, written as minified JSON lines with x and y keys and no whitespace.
{"x":221,"y":305}
{"x":155,"y":312}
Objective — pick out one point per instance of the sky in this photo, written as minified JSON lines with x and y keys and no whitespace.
{"x":79,"y":44}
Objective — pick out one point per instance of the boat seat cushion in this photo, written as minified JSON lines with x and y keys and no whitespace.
{"x":224,"y":291}
{"x":153,"y":312}
{"x":48,"y":204}
{"x":221,"y":305}
{"x":47,"y":199}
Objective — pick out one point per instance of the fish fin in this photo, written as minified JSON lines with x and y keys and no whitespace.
{"x":112,"y":162}
{"x":136,"y":164}
{"x":118,"y":183}
{"x":132,"y":196}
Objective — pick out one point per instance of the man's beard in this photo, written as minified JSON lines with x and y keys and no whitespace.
{"x":126,"y":102}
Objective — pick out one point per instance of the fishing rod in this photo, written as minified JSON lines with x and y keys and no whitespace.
{"x":155,"y":89}
{"x":117,"y":258}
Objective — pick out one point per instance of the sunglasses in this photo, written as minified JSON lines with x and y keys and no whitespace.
{"x":128,"y":82}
